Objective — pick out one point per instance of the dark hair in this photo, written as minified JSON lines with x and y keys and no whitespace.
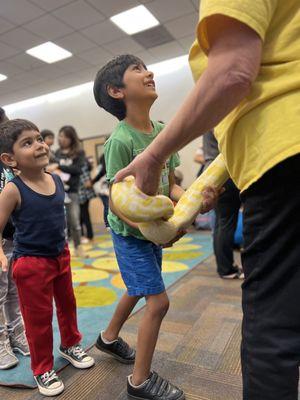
{"x":11,"y":130}
{"x":112,"y":74}
{"x":47,"y":133}
{"x":70,"y":132}
{"x":3,"y":116}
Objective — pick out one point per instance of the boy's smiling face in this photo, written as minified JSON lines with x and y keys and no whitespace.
{"x":138,"y":84}
{"x":30,"y":151}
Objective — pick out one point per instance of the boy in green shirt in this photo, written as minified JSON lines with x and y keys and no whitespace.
{"x":126,"y":89}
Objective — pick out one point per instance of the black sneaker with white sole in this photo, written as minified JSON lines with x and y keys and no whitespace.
{"x":119,"y":349}
{"x":49,"y":383}
{"x":155,"y":388}
{"x":77,"y":356}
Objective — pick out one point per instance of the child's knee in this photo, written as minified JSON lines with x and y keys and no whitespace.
{"x":158,"y":305}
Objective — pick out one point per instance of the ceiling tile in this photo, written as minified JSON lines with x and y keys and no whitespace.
{"x":73,"y":64}
{"x":5,"y":25}
{"x":11,"y":85}
{"x":79,"y":15}
{"x":103,"y":32}
{"x":96,"y":56}
{"x":113,"y":7}
{"x":48,"y":27}
{"x":146,"y":57}
{"x":183,"y":26}
{"x":25,"y":61}
{"x":21,"y":39}
{"x":20,"y":11}
{"x":123,"y":46}
{"x":166,"y":10}
{"x":9,"y":69}
{"x":168,"y":50}
{"x":49,"y":72}
{"x":7,"y":51}
{"x":153,"y":37}
{"x":50,"y":5}
{"x":28,"y":78}
{"x":88,"y":74}
{"x":75,"y":42}
{"x":187,"y":42}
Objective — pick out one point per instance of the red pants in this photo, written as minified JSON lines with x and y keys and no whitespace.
{"x":39,"y":280}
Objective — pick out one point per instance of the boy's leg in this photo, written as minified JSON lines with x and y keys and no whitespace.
{"x":122,"y":312}
{"x":65,"y":302}
{"x":34,"y":279}
{"x":156,"y":308}
{"x":271,"y":295}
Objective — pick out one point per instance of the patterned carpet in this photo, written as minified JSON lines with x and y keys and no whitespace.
{"x":98,"y":286}
{"x":198,"y":348}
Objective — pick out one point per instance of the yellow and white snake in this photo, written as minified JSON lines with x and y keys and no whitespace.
{"x":157,"y":218}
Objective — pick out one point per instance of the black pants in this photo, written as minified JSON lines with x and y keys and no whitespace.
{"x":227,"y":211}
{"x":271,"y":292}
{"x":105,"y":202}
{"x":85,"y":220}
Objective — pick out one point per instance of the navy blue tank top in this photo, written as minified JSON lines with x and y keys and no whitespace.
{"x":39,"y":222}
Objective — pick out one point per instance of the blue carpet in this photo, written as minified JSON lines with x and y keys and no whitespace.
{"x":98,"y":287}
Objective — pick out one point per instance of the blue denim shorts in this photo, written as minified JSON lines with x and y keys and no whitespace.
{"x":140,"y":265}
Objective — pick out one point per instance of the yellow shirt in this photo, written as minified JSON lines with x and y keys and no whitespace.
{"x":265,"y":128}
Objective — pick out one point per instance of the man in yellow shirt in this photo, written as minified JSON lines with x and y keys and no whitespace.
{"x":246,"y":61}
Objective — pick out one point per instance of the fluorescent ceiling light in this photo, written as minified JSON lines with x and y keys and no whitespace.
{"x":49,"y":52}
{"x":2,"y":77}
{"x":135,"y":20}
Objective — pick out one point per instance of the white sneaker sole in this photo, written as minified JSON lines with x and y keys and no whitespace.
{"x":76,"y":364}
{"x":11,"y":365}
{"x":50,"y":392}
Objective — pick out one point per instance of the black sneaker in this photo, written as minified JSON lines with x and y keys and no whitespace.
{"x":49,"y":383}
{"x":119,"y":349}
{"x":77,"y":356}
{"x":155,"y":388}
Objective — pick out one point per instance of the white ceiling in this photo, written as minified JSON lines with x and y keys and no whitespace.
{"x":82,"y":27}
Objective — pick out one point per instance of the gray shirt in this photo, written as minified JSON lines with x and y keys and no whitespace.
{"x":210,"y":147}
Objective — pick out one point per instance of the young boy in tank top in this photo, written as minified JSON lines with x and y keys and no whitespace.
{"x":41,"y":258}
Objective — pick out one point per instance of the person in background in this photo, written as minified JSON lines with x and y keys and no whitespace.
{"x":49,"y":138}
{"x":70,"y":158}
{"x":199,"y":159}
{"x":41,"y":257}
{"x":226,"y":217}
{"x":103,"y":190}
{"x":12,"y":334}
{"x":86,"y":193}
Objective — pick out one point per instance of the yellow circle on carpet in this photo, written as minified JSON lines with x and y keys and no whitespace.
{"x":106,"y":244}
{"x":93,"y":296}
{"x":101,"y":238}
{"x":117,"y":281}
{"x":87,"y":246}
{"x":184,"y":247}
{"x":106,"y":264}
{"x":185,"y":239}
{"x":173,"y":266}
{"x":88,"y":275}
{"x":96,"y":253}
{"x":182,"y":255}
{"x":76,"y":264}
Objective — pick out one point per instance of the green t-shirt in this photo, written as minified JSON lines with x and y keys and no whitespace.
{"x":120,"y":149}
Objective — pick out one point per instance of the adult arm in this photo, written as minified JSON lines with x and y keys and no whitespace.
{"x":233,"y":64}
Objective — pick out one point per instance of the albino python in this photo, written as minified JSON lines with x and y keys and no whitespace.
{"x":157,"y":218}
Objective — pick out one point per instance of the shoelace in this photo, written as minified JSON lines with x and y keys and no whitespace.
{"x":47,"y":377}
{"x":21,"y":339}
{"x":121,"y":345}
{"x":77,"y":351}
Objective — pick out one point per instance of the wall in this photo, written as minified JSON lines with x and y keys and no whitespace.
{"x":82,"y":112}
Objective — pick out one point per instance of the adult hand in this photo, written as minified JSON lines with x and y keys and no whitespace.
{"x":146,"y":169}
{"x":3,"y":263}
{"x":210,"y":198}
{"x":176,"y":238}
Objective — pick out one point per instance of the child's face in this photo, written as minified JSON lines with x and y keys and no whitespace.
{"x":30,"y":151}
{"x":139,"y":83}
{"x":49,"y":140}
